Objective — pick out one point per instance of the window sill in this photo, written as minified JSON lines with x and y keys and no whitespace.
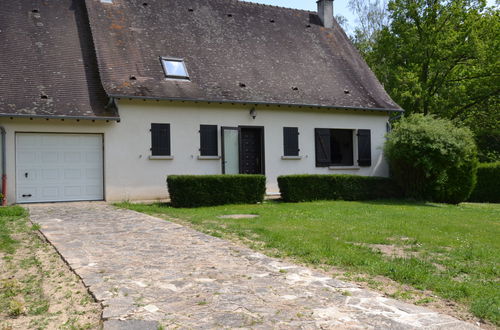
{"x":161,"y":157}
{"x":291,"y":157}
{"x":179,"y":79}
{"x":340,"y":168}
{"x":209,"y":157}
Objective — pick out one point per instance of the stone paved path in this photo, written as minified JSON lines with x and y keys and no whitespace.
{"x":146,"y":270}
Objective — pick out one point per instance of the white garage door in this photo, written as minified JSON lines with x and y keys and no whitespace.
{"x":58,"y":167}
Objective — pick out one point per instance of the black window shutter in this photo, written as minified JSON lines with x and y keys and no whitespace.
{"x":364,"y":147}
{"x":323,"y":149}
{"x":291,"y":141}
{"x":208,"y":140}
{"x":160,"y":139}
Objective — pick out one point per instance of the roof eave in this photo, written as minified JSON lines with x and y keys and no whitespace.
{"x":319,"y":106}
{"x":117,"y":119}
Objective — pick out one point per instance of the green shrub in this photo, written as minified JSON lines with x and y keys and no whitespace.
{"x":207,"y":190}
{"x":488,"y":145}
{"x":488,"y":184}
{"x":431,"y":159}
{"x":300,"y":188}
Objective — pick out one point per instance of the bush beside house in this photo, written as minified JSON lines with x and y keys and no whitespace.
{"x":487,"y":189}
{"x":208,"y":190}
{"x":431,"y":159}
{"x":300,"y":188}
{"x":488,"y":145}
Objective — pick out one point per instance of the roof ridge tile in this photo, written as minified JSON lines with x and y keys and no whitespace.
{"x":249,"y":3}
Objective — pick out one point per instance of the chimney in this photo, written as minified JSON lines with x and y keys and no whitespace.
{"x":325,"y":12}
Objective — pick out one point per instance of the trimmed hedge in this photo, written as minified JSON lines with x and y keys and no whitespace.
{"x":487,"y":189}
{"x":208,"y":190}
{"x":300,"y":188}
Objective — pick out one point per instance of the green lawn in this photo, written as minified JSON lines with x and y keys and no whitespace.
{"x":450,"y":250}
{"x":9,"y":223}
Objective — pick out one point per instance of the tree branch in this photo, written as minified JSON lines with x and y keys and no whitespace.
{"x":477,"y":101}
{"x":474,"y":77}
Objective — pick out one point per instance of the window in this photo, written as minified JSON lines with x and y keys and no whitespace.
{"x":290,"y":141}
{"x":335,"y":147}
{"x":174,"y":68}
{"x":208,"y":140}
{"x":341,"y":147}
{"x":160,"y":139}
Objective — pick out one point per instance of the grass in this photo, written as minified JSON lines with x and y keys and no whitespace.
{"x":30,"y":273}
{"x":450,"y":250}
{"x":26,"y":295}
{"x":8,"y":217}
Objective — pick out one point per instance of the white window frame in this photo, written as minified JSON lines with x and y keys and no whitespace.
{"x":354,"y":153}
{"x":164,"y":59}
{"x":354,"y":166}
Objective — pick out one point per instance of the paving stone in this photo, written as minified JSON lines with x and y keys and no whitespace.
{"x":238,"y":216}
{"x":148,"y":271}
{"x":130,"y":325}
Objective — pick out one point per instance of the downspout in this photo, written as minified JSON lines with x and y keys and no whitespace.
{"x":4,"y":173}
{"x":111,"y":103}
{"x":389,"y":122}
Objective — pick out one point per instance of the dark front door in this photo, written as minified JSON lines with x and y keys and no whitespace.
{"x":251,"y":150}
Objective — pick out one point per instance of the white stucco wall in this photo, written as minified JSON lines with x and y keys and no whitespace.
{"x":130,"y":174}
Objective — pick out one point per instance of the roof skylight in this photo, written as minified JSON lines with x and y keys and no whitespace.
{"x":174,"y":68}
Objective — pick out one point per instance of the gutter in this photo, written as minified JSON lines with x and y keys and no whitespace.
{"x":117,"y":119}
{"x":396,"y":117}
{"x":4,"y":173}
{"x":252,"y":102}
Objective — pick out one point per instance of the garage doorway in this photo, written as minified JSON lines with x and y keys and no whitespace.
{"x":52,"y":167}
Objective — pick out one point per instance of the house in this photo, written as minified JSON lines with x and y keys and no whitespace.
{"x":102,"y":99}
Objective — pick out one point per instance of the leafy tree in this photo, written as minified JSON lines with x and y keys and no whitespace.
{"x":436,"y":57}
{"x":440,"y":56}
{"x":371,"y":17}
{"x":342,"y":20}
{"x":431,"y":159}
{"x":488,"y":143}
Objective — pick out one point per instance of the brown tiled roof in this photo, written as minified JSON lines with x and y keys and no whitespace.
{"x":47,"y":61}
{"x":234,"y":52}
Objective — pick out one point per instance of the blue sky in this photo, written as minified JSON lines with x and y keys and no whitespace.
{"x":340,"y":7}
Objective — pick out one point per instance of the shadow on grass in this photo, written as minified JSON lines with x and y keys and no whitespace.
{"x":405,"y":202}
{"x":387,"y":202}
{"x":392,"y":202}
{"x":164,"y":204}
{"x":169,"y":205}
